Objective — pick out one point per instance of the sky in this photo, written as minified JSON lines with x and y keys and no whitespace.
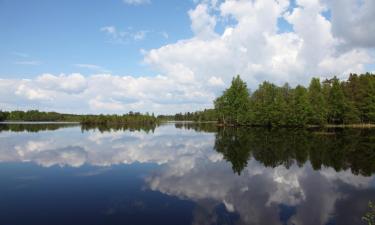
{"x":169,"y":56}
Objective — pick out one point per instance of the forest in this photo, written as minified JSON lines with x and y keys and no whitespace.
{"x":325,"y":102}
{"x":329,"y":102}
{"x":102,"y":120}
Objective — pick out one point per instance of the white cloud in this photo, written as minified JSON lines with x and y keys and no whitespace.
{"x":254,"y":48}
{"x":202,"y":23}
{"x":353,"y":22}
{"x":123,"y":36}
{"x":104,"y":93}
{"x":137,"y":2}
{"x":73,"y":83}
{"x":32,"y":94}
{"x":216,"y":81}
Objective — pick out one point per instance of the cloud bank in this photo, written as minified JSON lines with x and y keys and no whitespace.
{"x":327,"y":37}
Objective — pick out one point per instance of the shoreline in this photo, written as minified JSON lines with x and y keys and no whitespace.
{"x":361,"y":126}
{"x":37,"y":122}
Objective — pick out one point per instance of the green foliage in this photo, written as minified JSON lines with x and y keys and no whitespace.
{"x":369,"y":217}
{"x":205,"y":115}
{"x":300,"y":107}
{"x":341,"y":110}
{"x":3,"y":115}
{"x":233,"y":106}
{"x":329,"y":102}
{"x":318,"y":104}
{"x":268,"y":106}
{"x":35,"y":115}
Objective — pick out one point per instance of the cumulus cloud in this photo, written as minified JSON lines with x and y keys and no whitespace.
{"x":254,"y":48}
{"x":353,"y":22}
{"x":105,"y":93}
{"x":202,"y":23}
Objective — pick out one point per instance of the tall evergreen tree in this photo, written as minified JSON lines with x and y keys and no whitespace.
{"x":367,"y":93}
{"x":300,"y":106}
{"x":340,"y":109}
{"x":318,"y":104}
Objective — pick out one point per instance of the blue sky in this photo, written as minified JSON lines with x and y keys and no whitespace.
{"x":172,"y":56}
{"x":57,"y":35}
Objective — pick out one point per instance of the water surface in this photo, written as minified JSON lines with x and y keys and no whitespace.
{"x":184,"y":174}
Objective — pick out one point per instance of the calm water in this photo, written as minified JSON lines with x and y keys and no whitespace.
{"x":184,"y":174}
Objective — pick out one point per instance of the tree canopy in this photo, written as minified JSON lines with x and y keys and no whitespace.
{"x":329,"y":102}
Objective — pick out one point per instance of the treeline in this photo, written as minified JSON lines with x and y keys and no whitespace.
{"x":130,"y":118}
{"x":329,"y":102}
{"x":205,"y":115}
{"x":37,"y":116}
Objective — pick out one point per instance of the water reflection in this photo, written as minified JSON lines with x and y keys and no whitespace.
{"x":231,"y":176}
{"x":49,"y":126}
{"x":340,"y":149}
{"x":34,"y":127}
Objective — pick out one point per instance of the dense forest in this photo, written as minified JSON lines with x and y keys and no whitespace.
{"x":205,"y":115}
{"x":106,"y":120}
{"x":329,"y":102}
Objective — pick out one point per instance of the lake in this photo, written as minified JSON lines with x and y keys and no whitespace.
{"x":184,"y":173}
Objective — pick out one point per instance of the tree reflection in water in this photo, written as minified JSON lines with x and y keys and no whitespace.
{"x":340,"y":149}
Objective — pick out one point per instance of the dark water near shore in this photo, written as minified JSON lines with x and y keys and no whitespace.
{"x":184,"y":174}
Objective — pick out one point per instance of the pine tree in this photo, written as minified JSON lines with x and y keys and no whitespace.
{"x":300,"y":106}
{"x":318,"y":104}
{"x":340,"y":109}
{"x":368,"y":97}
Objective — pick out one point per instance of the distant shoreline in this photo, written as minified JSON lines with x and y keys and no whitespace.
{"x":37,"y":122}
{"x":360,"y":126}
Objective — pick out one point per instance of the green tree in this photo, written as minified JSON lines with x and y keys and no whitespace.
{"x":233,"y":106}
{"x":337,"y":102}
{"x":367,"y":93}
{"x":269,"y":105}
{"x":300,"y":107}
{"x":3,"y":115}
{"x":318,"y":104}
